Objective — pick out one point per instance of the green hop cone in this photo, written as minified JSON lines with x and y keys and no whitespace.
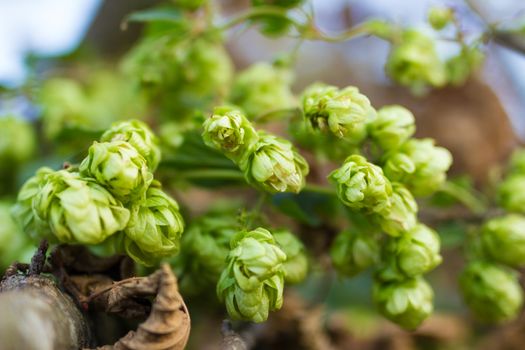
{"x":510,"y":193}
{"x":414,"y":62}
{"x":228,"y":131}
{"x":407,"y":303}
{"x":402,"y":216}
{"x":492,"y":292}
{"x":439,"y":17}
{"x":17,"y":141}
{"x":154,"y":229}
{"x":419,"y":165}
{"x":139,"y":135}
{"x":263,"y":88}
{"x":503,"y":239}
{"x":204,"y":248}
{"x":23,"y":209}
{"x":362,"y":185}
{"x":460,"y":66}
{"x":119,"y":167}
{"x":414,"y":253}
{"x":517,"y":162}
{"x":14,"y":244}
{"x":353,"y":252}
{"x":296,"y":264}
{"x":76,"y":209}
{"x":344,"y":112}
{"x":274,"y":165}
{"x":392,"y":127}
{"x":252,"y":283}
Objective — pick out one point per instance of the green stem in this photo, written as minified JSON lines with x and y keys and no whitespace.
{"x":351,"y":33}
{"x":476,"y":204}
{"x":320,"y":189}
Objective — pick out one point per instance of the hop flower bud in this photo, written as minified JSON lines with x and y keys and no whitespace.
{"x":362,"y":185}
{"x":414,"y":62}
{"x":439,"y":17}
{"x":402,"y":216}
{"x":262,"y":88}
{"x":138,"y":135}
{"x":119,"y":167}
{"x":274,"y":165}
{"x":419,"y":165}
{"x":344,"y":112}
{"x":517,"y":162}
{"x":352,"y":252}
{"x":252,"y":283}
{"x":76,"y":209}
{"x":17,"y":141}
{"x":492,"y":292}
{"x":503,"y":239}
{"x":407,"y":303}
{"x":392,"y":127}
{"x":14,"y":245}
{"x":23,"y":209}
{"x":205,"y":246}
{"x":154,"y":228}
{"x":414,"y":253}
{"x":510,"y":193}
{"x":228,"y":131}
{"x":296,"y":264}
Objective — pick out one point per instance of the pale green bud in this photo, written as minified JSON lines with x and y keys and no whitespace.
{"x":460,"y":66}
{"x":262,"y":88}
{"x":407,"y":303}
{"x":517,"y":162}
{"x":392,"y":127}
{"x":492,"y":292}
{"x":17,"y":141}
{"x":119,"y":167}
{"x":23,"y":209}
{"x":139,"y":135}
{"x":414,"y":253}
{"x":296,"y":264}
{"x":503,"y":239}
{"x":274,"y":165}
{"x":439,"y":17}
{"x":362,"y":185}
{"x":402,"y":216}
{"x":344,"y":112}
{"x":77,"y":209}
{"x":14,"y":244}
{"x":252,"y":283}
{"x":419,"y":165}
{"x":414,"y":62}
{"x":510,"y":193}
{"x":228,"y":131}
{"x":353,"y":252}
{"x":154,"y":228}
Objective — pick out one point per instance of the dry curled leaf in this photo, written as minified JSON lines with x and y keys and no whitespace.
{"x":168,"y":324}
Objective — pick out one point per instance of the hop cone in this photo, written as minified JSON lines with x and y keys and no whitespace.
{"x":253,"y":281}
{"x":17,"y":142}
{"x":392,"y":127}
{"x":352,"y":252}
{"x":510,"y":193}
{"x":296,"y":264}
{"x":503,"y":239}
{"x":402,"y":216}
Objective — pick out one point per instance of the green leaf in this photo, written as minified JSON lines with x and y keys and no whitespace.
{"x":155,"y":15}
{"x":307,"y":207}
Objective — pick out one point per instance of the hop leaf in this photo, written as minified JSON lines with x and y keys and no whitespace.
{"x":275,"y":25}
{"x":352,"y":252}
{"x":414,"y":253}
{"x":262,"y":88}
{"x":492,"y":292}
{"x":344,"y":112}
{"x":296,"y":264}
{"x":17,"y":141}
{"x":138,"y":135}
{"x":407,"y":303}
{"x":154,"y":228}
{"x":362,"y":185}
{"x":252,"y":283}
{"x":119,"y":167}
{"x":228,"y":131}
{"x":419,"y":165}
{"x":72,"y":209}
{"x":274,"y":165}
{"x":503,"y":239}
{"x":402,"y":216}
{"x":392,"y":127}
{"x":414,"y":62}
